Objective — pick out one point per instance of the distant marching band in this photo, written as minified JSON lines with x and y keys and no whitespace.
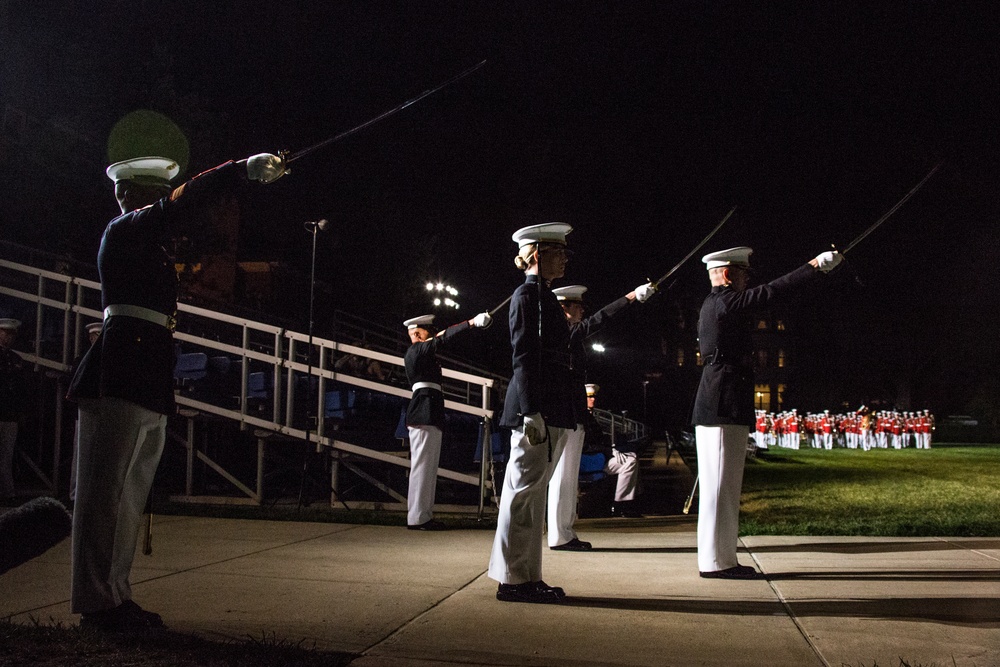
{"x":862,"y":429}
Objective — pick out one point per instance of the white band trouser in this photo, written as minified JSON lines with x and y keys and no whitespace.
{"x":626,"y":466}
{"x":517,"y":547}
{"x":564,"y":490}
{"x":120,"y":444}
{"x":425,"y":455}
{"x":721,"y":458}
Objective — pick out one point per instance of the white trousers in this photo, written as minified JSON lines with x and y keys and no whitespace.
{"x":760,"y":437}
{"x":564,"y":488}
{"x":8,"y":438}
{"x":827,"y":440}
{"x":517,"y":547}
{"x":120,"y":444}
{"x":721,"y":458}
{"x":626,"y":466}
{"x":425,"y":454}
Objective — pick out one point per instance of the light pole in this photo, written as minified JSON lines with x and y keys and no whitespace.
{"x":645,"y":415}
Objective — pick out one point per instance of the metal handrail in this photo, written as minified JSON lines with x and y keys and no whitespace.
{"x":247,"y":341}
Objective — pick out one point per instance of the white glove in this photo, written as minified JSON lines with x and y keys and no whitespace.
{"x":534,"y":429}
{"x":265,"y":168}
{"x":828,"y":261}
{"x":643,"y":292}
{"x":482,"y":320}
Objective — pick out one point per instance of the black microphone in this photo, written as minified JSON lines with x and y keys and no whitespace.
{"x":318,"y":224}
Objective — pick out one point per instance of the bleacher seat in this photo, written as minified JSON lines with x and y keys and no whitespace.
{"x":258,"y":384}
{"x":592,"y":467}
{"x":496,"y":446}
{"x":190,"y":367}
{"x":220,"y":364}
{"x":339,"y":403}
{"x":402,"y":433}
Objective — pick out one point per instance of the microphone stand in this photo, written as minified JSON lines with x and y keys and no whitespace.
{"x":314,"y":229}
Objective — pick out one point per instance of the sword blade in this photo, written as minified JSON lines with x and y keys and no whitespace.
{"x":505,"y":302}
{"x":292,"y":157}
{"x":891,"y":210}
{"x":697,"y":247}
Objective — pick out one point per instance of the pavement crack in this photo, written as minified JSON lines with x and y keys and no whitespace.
{"x":788,"y":608}
{"x":416,"y":617}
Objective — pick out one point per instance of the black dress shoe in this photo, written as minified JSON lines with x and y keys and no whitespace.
{"x":428,"y":525}
{"x":534,"y":592}
{"x":126,"y":618}
{"x":626,"y":509}
{"x":544,"y":588}
{"x":573,"y":545}
{"x":738,"y":572}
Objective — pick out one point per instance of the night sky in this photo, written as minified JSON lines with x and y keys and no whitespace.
{"x":638,"y":123}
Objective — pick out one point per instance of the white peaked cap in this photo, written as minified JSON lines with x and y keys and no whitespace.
{"x":739,"y":256}
{"x":570,"y":293}
{"x":151,"y":167}
{"x":95,"y":327}
{"x":592,"y":389}
{"x":418,"y":322}
{"x":9,"y":323}
{"x":550,"y":232}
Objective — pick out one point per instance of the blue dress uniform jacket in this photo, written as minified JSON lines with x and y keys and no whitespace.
{"x":578,"y":333}
{"x":134,"y":359}
{"x":725,"y":393}
{"x":542,"y":381}
{"x":426,"y":406}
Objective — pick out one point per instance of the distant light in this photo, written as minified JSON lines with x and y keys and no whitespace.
{"x":440,"y":286}
{"x":437,"y":302}
{"x":430,"y":287}
{"x":597,"y":347}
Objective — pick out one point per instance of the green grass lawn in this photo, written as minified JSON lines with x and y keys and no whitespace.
{"x":945,"y":491}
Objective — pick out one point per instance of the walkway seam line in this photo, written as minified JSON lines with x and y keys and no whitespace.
{"x":958,"y":545}
{"x":787,"y":607}
{"x":410,"y":621}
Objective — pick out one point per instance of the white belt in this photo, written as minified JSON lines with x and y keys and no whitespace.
{"x":426,"y":385}
{"x":140,"y":313}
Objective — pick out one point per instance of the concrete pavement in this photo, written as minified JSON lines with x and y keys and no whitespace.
{"x":398,"y":597}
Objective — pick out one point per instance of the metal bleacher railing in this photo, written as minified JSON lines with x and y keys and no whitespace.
{"x":278,"y":372}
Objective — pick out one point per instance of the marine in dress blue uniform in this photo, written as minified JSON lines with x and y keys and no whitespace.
{"x":724,"y":407}
{"x":425,"y":414}
{"x":539,"y":410}
{"x":565,"y":482}
{"x":124,"y":383}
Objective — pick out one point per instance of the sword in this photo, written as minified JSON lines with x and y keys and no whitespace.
{"x":891,"y":210}
{"x":696,"y":248}
{"x":292,"y":157}
{"x":690,"y":498}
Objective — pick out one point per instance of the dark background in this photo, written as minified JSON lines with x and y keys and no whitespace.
{"x":639,"y":123}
